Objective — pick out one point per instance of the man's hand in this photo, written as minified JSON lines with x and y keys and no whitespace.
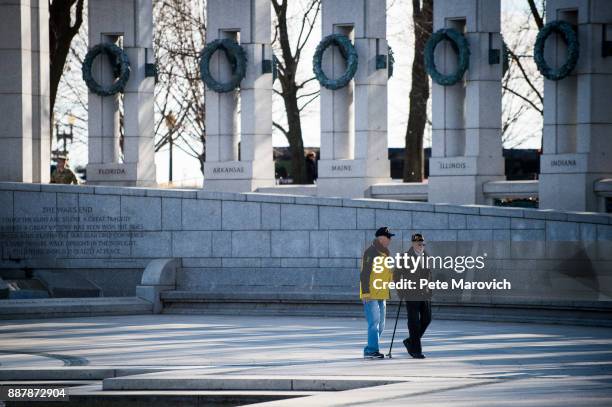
{"x":365,"y":296}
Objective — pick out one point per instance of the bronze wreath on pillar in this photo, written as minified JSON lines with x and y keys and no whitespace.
{"x":121,"y":69}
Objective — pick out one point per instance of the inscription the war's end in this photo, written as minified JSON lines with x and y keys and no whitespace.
{"x":68,"y":209}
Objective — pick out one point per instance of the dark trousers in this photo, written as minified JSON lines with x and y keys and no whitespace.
{"x":419,"y":317}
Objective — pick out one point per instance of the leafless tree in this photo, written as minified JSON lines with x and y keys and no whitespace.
{"x":65,"y":20}
{"x":422,"y":16}
{"x":522,"y":84}
{"x":292,"y":90}
{"x":179,"y":95}
{"x":178,"y":37}
{"x":72,"y":94}
{"x":71,"y":101}
{"x":537,"y":13}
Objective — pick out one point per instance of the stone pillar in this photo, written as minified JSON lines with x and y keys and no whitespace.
{"x":128,"y":23}
{"x":239,"y":143}
{"x":41,"y":93}
{"x":24,"y":91}
{"x":466,"y":117}
{"x":354,"y":118}
{"x":577,"y":143}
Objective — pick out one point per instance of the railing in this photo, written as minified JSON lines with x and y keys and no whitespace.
{"x":417,"y":191}
{"x":510,"y":190}
{"x":603,"y":189}
{"x":406,"y":191}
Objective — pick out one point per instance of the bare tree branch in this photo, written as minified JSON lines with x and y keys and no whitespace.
{"x":523,"y":98}
{"x":525,"y":75}
{"x":290,"y":91}
{"x":536,"y":14}
{"x":281,"y":128}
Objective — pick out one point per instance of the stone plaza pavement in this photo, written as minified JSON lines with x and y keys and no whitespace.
{"x":469,"y":363}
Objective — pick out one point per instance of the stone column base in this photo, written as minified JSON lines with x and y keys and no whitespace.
{"x":459,"y":189}
{"x":351,"y":178}
{"x":347,"y":187}
{"x":570,"y":192}
{"x":122,"y":174}
{"x":238,"y":176}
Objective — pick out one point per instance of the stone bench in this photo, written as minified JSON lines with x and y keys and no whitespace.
{"x":72,"y":307}
{"x":347,"y":304}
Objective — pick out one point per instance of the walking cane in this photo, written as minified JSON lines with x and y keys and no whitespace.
{"x":394,"y":328}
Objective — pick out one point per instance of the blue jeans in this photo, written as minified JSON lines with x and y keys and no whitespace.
{"x":375,"y":315}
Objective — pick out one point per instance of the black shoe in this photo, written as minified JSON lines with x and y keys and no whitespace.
{"x":407,"y":344}
{"x":375,"y":355}
{"x":417,"y":355}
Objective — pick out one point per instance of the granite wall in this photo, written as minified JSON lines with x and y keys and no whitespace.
{"x":288,"y":245}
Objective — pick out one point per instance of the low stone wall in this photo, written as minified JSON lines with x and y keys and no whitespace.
{"x":234,"y":244}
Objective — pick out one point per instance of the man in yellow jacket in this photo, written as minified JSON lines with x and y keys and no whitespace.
{"x":374,"y":290}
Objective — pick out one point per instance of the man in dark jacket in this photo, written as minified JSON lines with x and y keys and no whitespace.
{"x":311,"y":167}
{"x":418,"y":301}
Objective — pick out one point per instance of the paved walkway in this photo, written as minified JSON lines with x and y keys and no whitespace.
{"x":469,"y":363}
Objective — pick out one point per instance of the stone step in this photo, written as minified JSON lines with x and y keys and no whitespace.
{"x":26,"y":288}
{"x":189,"y":388}
{"x":255,"y":303}
{"x":65,"y":383}
{"x":192,"y":380}
{"x":95,"y":396}
{"x":592,"y":313}
{"x":74,"y":372}
{"x":72,"y":307}
{"x":63,"y":284}
{"x":258,"y":296}
{"x":544,"y":314}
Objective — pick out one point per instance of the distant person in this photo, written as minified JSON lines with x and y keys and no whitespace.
{"x":281,"y":172}
{"x":311,"y":167}
{"x":373,"y":298}
{"x":418,"y":301}
{"x":63,"y":174}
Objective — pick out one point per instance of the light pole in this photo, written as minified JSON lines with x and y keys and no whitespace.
{"x":64,"y":136}
{"x":171,"y":125}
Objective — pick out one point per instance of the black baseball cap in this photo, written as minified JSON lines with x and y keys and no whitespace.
{"x":384,"y":231}
{"x":417,"y":237}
